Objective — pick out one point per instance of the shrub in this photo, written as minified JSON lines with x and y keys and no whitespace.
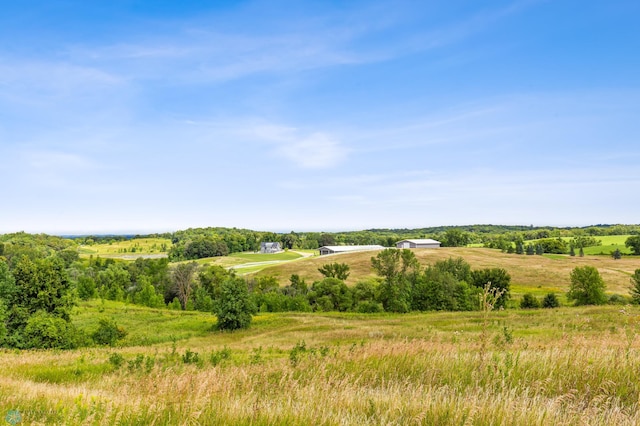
{"x":108,"y":333}
{"x":218,"y":356}
{"x":617,"y":299}
{"x":46,"y":331}
{"x":498,"y":278}
{"x":369,"y":307}
{"x":550,"y":301}
{"x":116,"y":360}
{"x":191,"y":357}
{"x":331,"y":294}
{"x":529,"y":301}
{"x":175,"y":304}
{"x":86,"y":287}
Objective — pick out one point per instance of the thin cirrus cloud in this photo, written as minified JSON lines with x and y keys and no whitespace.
{"x":314,"y":150}
{"x":190,"y":52}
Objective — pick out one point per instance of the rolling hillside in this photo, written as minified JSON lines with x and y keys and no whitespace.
{"x":537,"y":274}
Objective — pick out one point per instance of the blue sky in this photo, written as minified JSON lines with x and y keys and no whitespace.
{"x":145,"y":116}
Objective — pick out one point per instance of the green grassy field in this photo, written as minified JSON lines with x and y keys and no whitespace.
{"x":128,"y":248}
{"x":563,"y":367}
{"x":249,"y":262}
{"x":266,"y":257}
{"x":609,"y":245}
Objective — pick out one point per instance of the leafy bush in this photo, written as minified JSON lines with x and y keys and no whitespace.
{"x":191,"y":357}
{"x":108,"y":333}
{"x":498,"y":278}
{"x":550,"y":301}
{"x":46,"y":331}
{"x":86,"y":287}
{"x":218,"y":356}
{"x":116,"y":360}
{"x":529,"y":301}
{"x":175,"y":304}
{"x":553,"y":245}
{"x":369,"y":307}
{"x":330,"y":294}
{"x":617,"y":299}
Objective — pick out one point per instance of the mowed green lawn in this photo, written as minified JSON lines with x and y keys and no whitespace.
{"x":250,"y":262}
{"x":266,"y":257}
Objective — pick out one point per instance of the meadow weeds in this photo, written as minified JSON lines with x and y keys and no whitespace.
{"x":479,"y":368}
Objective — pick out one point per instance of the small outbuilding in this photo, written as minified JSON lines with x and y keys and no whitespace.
{"x":270,"y":248}
{"x":324,"y":250}
{"x":418,"y":243}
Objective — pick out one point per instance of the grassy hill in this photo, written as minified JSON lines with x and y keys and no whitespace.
{"x":562,"y":366}
{"x":537,"y":274}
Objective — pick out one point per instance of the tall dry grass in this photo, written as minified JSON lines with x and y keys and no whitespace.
{"x":351,"y":370}
{"x":533,"y":273}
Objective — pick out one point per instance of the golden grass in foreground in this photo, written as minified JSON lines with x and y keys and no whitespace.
{"x":567,"y":366}
{"x":539,"y":274}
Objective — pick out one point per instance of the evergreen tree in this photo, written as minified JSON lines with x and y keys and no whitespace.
{"x":530,"y":250}
{"x":519,"y":248}
{"x":581,"y":252}
{"x":550,"y":301}
{"x":617,"y":254}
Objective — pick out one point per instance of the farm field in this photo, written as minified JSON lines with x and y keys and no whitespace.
{"x":536,"y":274}
{"x":609,"y":244}
{"x":128,"y":249}
{"x":562,"y":366}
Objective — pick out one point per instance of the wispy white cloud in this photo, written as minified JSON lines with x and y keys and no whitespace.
{"x":314,"y":150}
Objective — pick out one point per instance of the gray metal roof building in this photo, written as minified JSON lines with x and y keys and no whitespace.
{"x":347,"y":249}
{"x":418,"y":243}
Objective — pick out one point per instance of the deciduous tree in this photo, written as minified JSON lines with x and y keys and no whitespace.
{"x":587,"y":286}
{"x":633,"y":243}
{"x":183,"y":281}
{"x":234,"y":309}
{"x":335,"y":270}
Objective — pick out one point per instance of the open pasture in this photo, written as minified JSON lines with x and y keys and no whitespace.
{"x":128,"y":249}
{"x":565,"y":366}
